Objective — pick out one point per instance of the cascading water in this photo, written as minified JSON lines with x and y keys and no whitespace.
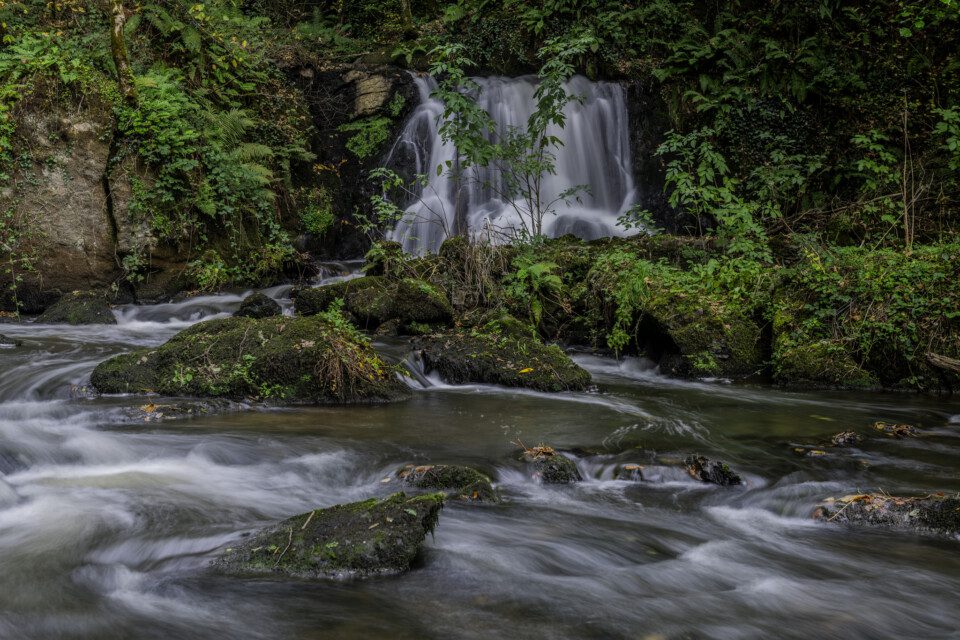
{"x":595,"y":154}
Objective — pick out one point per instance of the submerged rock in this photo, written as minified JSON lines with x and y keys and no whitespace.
{"x":712,"y":471}
{"x":457,"y":481}
{"x":375,"y":300}
{"x":938,"y":514}
{"x":9,"y":342}
{"x":845,"y":439}
{"x":898,"y":431}
{"x":462,"y":357}
{"x":163,"y":412}
{"x":551,"y":467}
{"x":290,"y":360}
{"x":372,"y":537}
{"x":258,"y":305}
{"x":79,"y":307}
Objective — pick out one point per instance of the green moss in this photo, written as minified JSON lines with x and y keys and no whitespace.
{"x":457,"y":481}
{"x":374,"y":300}
{"x":79,"y":307}
{"x":461,"y":357}
{"x":286,"y":359}
{"x":359,"y":539}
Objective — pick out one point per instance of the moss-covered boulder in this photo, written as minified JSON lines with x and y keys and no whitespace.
{"x":860,"y":317}
{"x":550,"y":466}
{"x":462,"y":357}
{"x":456,"y":481}
{"x":373,"y":537}
{"x":289,"y":360}
{"x":375,"y":300}
{"x":258,"y":305}
{"x":673,"y":316}
{"x":937,"y":514}
{"x":79,"y":307}
{"x":712,"y":471}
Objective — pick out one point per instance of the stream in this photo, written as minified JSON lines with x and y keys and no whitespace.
{"x":107,"y":524}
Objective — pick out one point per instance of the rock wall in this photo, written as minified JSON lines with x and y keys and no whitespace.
{"x":57,"y":193}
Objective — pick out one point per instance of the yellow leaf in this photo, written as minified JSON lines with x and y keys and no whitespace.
{"x":527,"y":370}
{"x":149,"y":408}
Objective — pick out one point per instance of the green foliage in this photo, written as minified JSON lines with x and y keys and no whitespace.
{"x":369,"y":135}
{"x":699,"y":182}
{"x":533,"y":284}
{"x":880,"y":310}
{"x":317,"y":216}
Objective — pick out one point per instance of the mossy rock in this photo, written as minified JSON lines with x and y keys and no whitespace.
{"x":385,"y":258}
{"x":456,"y":481}
{"x":79,"y":307}
{"x":712,"y":471}
{"x":713,"y":340}
{"x":258,"y":305}
{"x":134,"y":372}
{"x":551,"y":467}
{"x":288,"y":360}
{"x":462,"y":357}
{"x":938,"y":514}
{"x":801,"y":361}
{"x":368,"y":538}
{"x":375,"y":300}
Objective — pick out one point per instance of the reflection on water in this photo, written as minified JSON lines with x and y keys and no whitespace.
{"x":106,"y":526}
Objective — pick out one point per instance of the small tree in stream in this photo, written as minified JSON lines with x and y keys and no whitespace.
{"x":522,"y":156}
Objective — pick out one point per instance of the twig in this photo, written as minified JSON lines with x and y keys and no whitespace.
{"x":289,"y":542}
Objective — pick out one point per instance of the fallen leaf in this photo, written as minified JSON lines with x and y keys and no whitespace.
{"x":527,"y":370}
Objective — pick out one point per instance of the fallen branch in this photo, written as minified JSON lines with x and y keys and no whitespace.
{"x":943,"y":362}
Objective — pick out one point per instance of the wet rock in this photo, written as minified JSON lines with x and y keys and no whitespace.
{"x":712,"y":471}
{"x":937,"y":514}
{"x":462,"y":357}
{"x":456,"y":481}
{"x":372,"y":537}
{"x":79,"y":307}
{"x":375,"y":300}
{"x":845,"y":439}
{"x":258,"y":305}
{"x":898,"y":431}
{"x":9,"y":342}
{"x":550,"y":466}
{"x":163,"y":412}
{"x":286,"y":360}
{"x":629,"y":472}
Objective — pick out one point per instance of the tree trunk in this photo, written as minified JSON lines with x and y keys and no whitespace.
{"x":119,"y":48}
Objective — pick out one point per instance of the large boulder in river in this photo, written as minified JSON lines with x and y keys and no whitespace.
{"x":79,"y":307}
{"x":936,"y":514}
{"x":258,"y":305}
{"x":373,"y":537}
{"x":374,"y":300}
{"x":463,"y":356}
{"x":289,"y":360}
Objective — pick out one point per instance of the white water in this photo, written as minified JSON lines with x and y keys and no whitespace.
{"x":595,"y":154}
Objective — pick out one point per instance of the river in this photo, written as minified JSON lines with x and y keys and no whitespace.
{"x":107,"y":524}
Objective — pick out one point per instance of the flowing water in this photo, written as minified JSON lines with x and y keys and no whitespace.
{"x":107,"y":524}
{"x":595,"y":155}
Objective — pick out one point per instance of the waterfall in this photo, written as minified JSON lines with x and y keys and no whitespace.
{"x":595,"y":153}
